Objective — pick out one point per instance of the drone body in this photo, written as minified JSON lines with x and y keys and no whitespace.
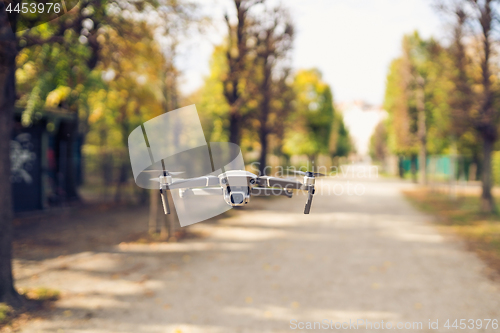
{"x":237,"y":186}
{"x":175,"y":141}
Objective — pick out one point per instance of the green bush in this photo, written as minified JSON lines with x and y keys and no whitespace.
{"x":40,"y":294}
{"x":5,"y":312}
{"x":495,"y":166}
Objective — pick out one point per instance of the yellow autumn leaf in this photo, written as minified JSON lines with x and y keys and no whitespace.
{"x":56,"y":96}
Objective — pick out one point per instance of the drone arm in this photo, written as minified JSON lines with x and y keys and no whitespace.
{"x":200,"y":191}
{"x":261,"y":191}
{"x":286,"y":185}
{"x":194,"y":182}
{"x":279,"y":182}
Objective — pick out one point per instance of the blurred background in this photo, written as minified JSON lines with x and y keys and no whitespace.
{"x":408,"y":86}
{"x":403,"y":88}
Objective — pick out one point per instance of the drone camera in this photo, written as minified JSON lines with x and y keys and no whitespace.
{"x":237,"y":198}
{"x":237,"y":195}
{"x":236,"y":187}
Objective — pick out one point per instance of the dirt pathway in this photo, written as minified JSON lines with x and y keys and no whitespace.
{"x":370,"y":257}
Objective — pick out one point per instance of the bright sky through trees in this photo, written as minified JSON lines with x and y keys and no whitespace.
{"x":351,"y":41}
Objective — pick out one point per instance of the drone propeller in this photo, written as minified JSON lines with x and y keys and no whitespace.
{"x":309,"y":174}
{"x":171,"y":173}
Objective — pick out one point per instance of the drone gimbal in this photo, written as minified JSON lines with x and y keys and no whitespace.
{"x":237,"y":186}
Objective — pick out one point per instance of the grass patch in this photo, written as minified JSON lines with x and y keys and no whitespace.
{"x":461,"y":215}
{"x":5,"y":313}
{"x":40,"y":294}
{"x":36,"y":302}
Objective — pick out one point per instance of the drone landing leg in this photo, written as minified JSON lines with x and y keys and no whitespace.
{"x":164,"y":200}
{"x":310,"y":195}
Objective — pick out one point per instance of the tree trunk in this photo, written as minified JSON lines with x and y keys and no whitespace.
{"x":264,"y":116}
{"x":71,"y":182}
{"x":265,"y":108}
{"x":238,"y":36}
{"x":8,"y":293}
{"x":479,"y":166}
{"x":414,"y":167}
{"x":69,"y":134}
{"x":263,"y":151}
{"x":122,"y":179}
{"x":422,"y":132}
{"x":153,"y":211}
{"x":401,"y":167}
{"x":234,"y":127}
{"x":487,"y":202}
{"x":488,"y":120}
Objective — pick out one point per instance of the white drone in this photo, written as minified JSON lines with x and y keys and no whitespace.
{"x":236,"y":186}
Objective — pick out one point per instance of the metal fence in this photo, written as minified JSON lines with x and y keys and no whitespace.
{"x":444,"y":168}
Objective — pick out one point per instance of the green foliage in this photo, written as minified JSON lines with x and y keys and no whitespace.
{"x":127,"y":84}
{"x":5,"y":313}
{"x":51,"y":75}
{"x":313,"y":118}
{"x":214,"y":109}
{"x":133,"y":89}
{"x":449,"y":111}
{"x":211,"y":103}
{"x":496,"y":167}
{"x":306,"y":128}
{"x":340,"y":143}
{"x":424,"y":60}
{"x":378,"y":143}
{"x":400,"y":138}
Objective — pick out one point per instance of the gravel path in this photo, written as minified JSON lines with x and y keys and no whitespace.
{"x":370,"y":257}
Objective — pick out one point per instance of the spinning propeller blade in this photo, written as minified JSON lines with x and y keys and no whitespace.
{"x":172,"y":173}
{"x":302,"y":173}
